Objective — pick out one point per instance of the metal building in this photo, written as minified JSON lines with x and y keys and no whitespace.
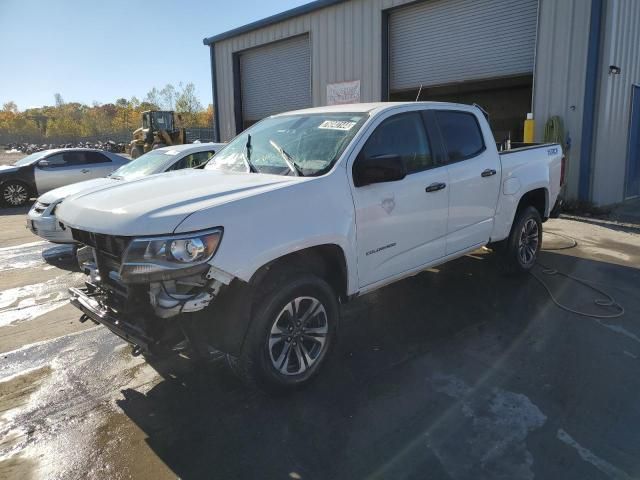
{"x":575,"y":59}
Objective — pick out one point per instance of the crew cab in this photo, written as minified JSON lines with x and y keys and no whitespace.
{"x":302,"y":212}
{"x":42,"y":221}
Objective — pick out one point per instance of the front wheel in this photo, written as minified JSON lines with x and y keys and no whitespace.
{"x":15,"y":194}
{"x":521,"y":249}
{"x":293,"y":329}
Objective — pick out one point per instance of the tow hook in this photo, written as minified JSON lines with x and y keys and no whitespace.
{"x":136,"y":351}
{"x":84,"y":318}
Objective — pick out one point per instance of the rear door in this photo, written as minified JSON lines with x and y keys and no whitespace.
{"x":474,"y":179}
{"x":401,"y":225}
{"x":97,"y":164}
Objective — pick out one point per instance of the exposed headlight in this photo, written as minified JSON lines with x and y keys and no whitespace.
{"x":163,"y":258}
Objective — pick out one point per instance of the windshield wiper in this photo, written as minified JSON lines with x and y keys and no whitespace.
{"x":247,"y":155}
{"x":288,"y":159}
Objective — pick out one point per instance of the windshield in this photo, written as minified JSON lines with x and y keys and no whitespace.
{"x":306,"y":145}
{"x":29,"y":159}
{"x":147,"y":164}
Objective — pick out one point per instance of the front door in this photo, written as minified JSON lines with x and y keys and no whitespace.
{"x":633,"y":162}
{"x":401,"y":225}
{"x":474,"y":180}
{"x":58,"y":170}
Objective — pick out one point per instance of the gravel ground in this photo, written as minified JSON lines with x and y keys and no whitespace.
{"x":10,"y":158}
{"x":456,"y":373}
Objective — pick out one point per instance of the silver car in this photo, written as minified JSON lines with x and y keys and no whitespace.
{"x":42,"y":221}
{"x":43,"y":171}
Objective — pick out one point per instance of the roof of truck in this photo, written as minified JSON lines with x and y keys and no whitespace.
{"x":370,"y":107}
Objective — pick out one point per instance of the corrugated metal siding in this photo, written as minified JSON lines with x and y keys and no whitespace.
{"x":559,"y":76}
{"x":345,"y":45}
{"x":448,"y":41}
{"x":621,"y":47}
{"x":276,"y":78}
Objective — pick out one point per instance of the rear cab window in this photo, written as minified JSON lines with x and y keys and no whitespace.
{"x":461,"y":134}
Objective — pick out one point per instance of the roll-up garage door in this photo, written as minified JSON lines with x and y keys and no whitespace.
{"x":275,"y":78}
{"x":439,"y":42}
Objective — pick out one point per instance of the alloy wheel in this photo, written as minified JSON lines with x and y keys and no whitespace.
{"x":15,"y":194}
{"x":298,"y":336}
{"x":528,"y":242}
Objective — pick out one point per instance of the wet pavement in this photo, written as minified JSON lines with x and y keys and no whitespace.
{"x":456,"y":373}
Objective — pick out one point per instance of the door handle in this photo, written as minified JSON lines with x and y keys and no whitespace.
{"x":489,"y":172}
{"x":85,"y":170}
{"x":434,"y":187}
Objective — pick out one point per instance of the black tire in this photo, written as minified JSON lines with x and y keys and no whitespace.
{"x":136,"y":151}
{"x":15,"y":193}
{"x":520,"y":251}
{"x":257,"y":365}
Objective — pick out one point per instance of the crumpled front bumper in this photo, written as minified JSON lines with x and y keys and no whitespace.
{"x":92,"y":309}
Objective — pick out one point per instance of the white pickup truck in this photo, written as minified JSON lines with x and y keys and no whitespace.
{"x":301,"y":212}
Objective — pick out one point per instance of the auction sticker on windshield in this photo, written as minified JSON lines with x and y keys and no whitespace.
{"x":171,"y":152}
{"x":337,"y":125}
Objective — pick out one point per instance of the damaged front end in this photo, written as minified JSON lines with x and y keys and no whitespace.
{"x":148,"y":290}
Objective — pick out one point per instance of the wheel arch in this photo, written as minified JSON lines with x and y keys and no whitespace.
{"x":328,"y":261}
{"x":537,"y":198}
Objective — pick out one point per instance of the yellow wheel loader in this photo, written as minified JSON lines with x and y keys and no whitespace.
{"x":158,"y":130}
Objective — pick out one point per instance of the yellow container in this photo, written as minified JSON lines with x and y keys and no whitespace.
{"x":529,"y":128}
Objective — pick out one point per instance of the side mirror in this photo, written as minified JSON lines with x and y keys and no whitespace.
{"x":383,"y":168}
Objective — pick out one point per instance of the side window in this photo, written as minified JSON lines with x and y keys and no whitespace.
{"x":73,"y":159}
{"x":96,"y":157}
{"x":192,"y":161}
{"x":405,"y":135}
{"x":461,"y":133}
{"x":55,"y":161}
{"x":201,"y":158}
{"x":179,"y":165}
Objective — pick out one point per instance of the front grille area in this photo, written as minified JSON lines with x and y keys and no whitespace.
{"x":109,"y":244}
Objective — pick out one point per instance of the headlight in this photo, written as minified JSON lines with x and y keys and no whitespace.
{"x":163,"y":258}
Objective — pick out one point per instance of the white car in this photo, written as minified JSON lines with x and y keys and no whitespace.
{"x":41,"y":219}
{"x":299,"y":213}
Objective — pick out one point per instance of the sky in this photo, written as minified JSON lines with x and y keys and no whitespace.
{"x":102,"y":50}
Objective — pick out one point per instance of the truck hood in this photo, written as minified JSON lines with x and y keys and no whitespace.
{"x":61,"y":193}
{"x":156,"y":205}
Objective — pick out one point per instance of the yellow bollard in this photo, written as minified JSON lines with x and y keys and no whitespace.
{"x":529,"y":128}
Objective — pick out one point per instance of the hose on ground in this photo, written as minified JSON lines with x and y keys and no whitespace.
{"x":605,"y":301}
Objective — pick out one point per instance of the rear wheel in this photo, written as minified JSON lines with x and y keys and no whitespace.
{"x":15,"y":194}
{"x":293,"y":329}
{"x":521,"y":249}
